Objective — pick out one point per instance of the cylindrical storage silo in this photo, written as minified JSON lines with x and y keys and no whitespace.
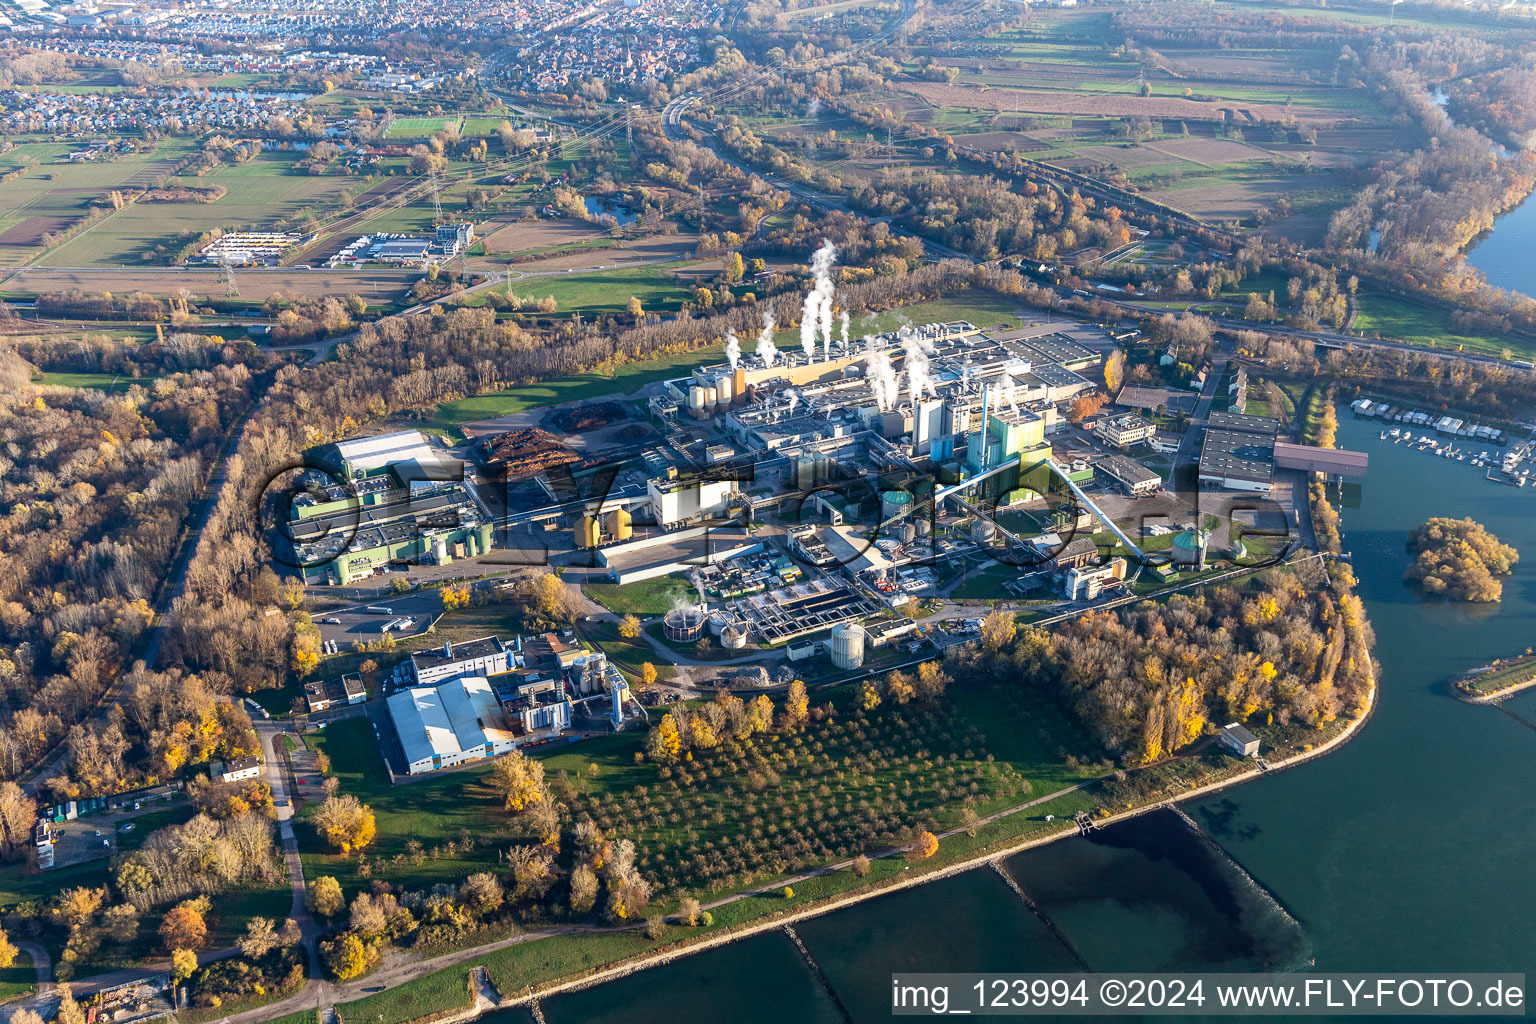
{"x":823,"y":467}
{"x":983,"y":532}
{"x":924,"y":526}
{"x":723,"y":391}
{"x":848,"y":645}
{"x":908,"y":532}
{"x":487,"y":533}
{"x":471,"y":545}
{"x":711,"y":397}
{"x":805,"y":472}
{"x":733,"y":636}
{"x":588,"y":530}
{"x":619,"y":524}
{"x":894,"y":503}
{"x":696,"y":395}
{"x":718,"y":621}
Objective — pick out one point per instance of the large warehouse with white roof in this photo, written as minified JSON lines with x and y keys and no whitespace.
{"x":441,"y":726}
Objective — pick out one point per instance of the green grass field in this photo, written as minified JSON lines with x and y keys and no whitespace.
{"x":624,"y":380}
{"x":609,"y":291}
{"x":17,"y":980}
{"x":437,"y":810}
{"x":646,"y":598}
{"x":108,"y":382}
{"x":1404,"y":320}
{"x":419,"y":127}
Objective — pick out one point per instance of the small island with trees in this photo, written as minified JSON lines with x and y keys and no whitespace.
{"x":1459,"y":559}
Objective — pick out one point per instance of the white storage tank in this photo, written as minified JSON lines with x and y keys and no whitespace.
{"x":723,"y":389}
{"x":983,"y":532}
{"x":696,"y":395}
{"x":733,"y":636}
{"x":848,"y":645}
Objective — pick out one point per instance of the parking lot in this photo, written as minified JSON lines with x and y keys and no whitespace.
{"x":359,"y":623}
{"x":100,"y":835}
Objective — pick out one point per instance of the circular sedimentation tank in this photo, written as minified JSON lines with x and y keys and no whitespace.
{"x":682,"y":625}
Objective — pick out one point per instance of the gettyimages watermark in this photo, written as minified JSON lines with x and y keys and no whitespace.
{"x":1061,"y":514}
{"x":1268,"y":995}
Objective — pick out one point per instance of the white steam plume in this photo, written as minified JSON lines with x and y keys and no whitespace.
{"x":883,"y":381}
{"x":767,"y":351}
{"x":816,"y":316}
{"x":732,"y":348}
{"x":845,"y":331}
{"x":918,"y":380}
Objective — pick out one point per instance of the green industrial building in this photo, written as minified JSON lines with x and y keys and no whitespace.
{"x":411,"y":511}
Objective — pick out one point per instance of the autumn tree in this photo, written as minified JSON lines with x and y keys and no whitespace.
{"x":260,"y":938}
{"x":664,"y":744}
{"x":647,"y":673}
{"x":324,"y":897}
{"x":346,"y":823}
{"x":18,"y":813}
{"x":482,"y":892}
{"x":797,"y":706}
{"x":349,"y":956}
{"x":629,"y":627}
{"x":183,"y":926}
{"x":1114,"y":370}
{"x":8,"y":950}
{"x":998,"y":630}
{"x":924,"y":845}
{"x":1459,"y":559}
{"x":932,"y":680}
{"x":520,"y":781}
{"x":71,"y":1012}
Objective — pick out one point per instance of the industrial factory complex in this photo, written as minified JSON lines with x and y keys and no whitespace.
{"x":817,"y":501}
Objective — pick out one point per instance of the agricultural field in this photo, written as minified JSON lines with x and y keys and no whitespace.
{"x":260,"y":193}
{"x":1219,"y":133}
{"x":376,"y":285}
{"x":51,"y":196}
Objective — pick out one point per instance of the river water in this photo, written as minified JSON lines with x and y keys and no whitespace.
{"x":1503,"y":254}
{"x":1407,"y":849}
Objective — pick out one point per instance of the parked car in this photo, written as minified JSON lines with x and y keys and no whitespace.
{"x":128,"y":827}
